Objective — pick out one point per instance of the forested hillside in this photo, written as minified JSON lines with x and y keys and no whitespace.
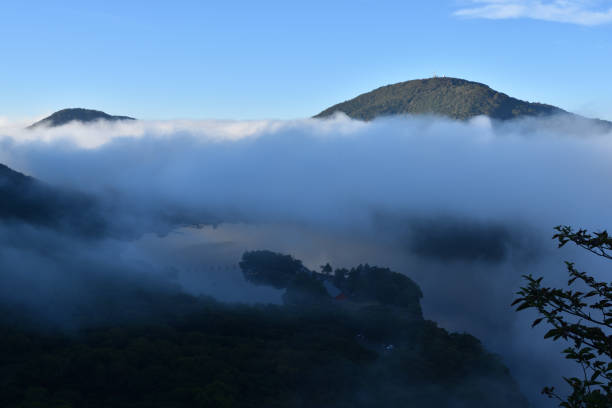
{"x":451,"y":97}
{"x":195,"y":352}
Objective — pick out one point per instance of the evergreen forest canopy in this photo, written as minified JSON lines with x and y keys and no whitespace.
{"x":372,"y":348}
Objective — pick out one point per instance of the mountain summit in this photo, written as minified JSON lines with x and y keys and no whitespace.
{"x":65,"y":116}
{"x":451,"y":97}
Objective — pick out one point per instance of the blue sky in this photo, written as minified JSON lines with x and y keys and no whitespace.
{"x":280,"y":59}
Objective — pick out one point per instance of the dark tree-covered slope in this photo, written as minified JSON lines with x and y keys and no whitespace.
{"x":65,"y":116}
{"x":24,"y":199}
{"x":199,"y":353}
{"x":452,"y":97}
{"x":149,"y":345}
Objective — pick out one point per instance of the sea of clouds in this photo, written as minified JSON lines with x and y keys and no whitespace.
{"x":463,"y":208}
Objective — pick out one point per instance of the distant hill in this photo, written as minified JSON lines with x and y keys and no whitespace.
{"x":451,"y":97}
{"x":65,"y":116}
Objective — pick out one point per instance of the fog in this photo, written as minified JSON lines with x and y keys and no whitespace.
{"x":463,"y":208}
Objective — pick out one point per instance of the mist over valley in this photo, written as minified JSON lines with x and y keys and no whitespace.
{"x":134,"y":223}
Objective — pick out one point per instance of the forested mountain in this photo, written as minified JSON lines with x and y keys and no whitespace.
{"x":65,"y":116}
{"x":174,"y":350}
{"x":451,"y":97}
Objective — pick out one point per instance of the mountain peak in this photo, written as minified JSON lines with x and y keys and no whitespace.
{"x":452,"y":97}
{"x":65,"y":116}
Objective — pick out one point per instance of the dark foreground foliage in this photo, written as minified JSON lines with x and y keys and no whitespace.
{"x":582,"y":316}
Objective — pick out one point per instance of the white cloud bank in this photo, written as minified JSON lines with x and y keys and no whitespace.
{"x":464,"y":208}
{"x":582,"y":12}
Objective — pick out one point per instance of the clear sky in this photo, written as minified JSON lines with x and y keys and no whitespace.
{"x":285,"y":59}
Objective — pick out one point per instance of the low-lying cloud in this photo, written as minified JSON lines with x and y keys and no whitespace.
{"x":464,"y":208}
